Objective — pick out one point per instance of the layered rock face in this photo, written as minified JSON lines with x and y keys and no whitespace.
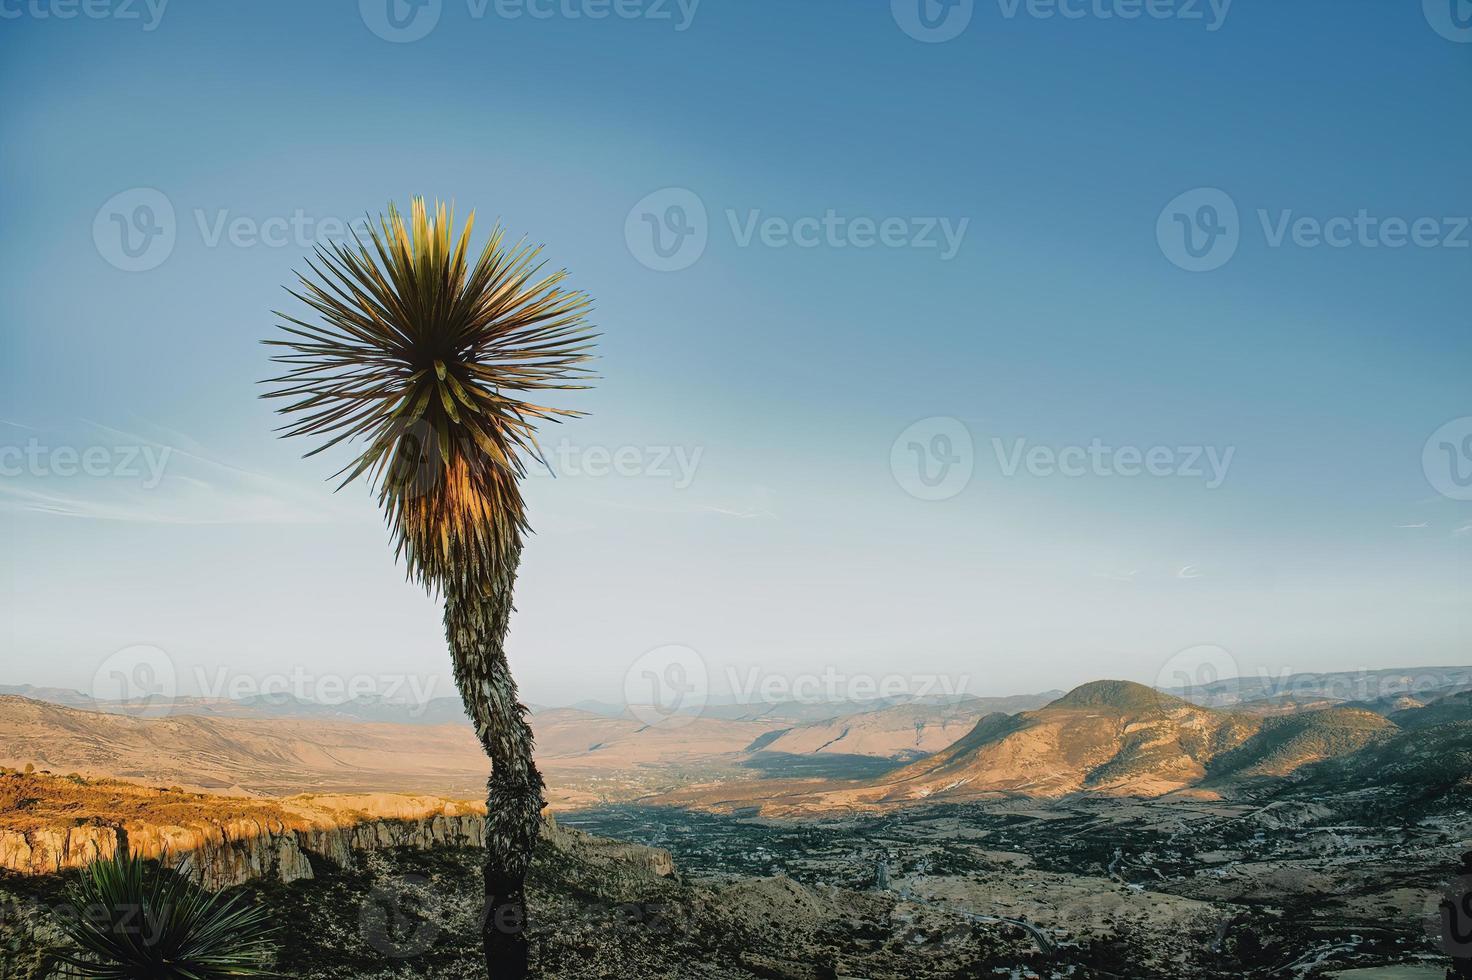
{"x":59,"y":824}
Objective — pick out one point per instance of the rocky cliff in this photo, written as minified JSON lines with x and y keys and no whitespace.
{"x":49,"y":824}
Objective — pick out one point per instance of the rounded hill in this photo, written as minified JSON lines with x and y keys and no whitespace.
{"x":1120,"y":695}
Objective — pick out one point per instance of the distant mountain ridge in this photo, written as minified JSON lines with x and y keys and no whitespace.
{"x":1119,"y":738}
{"x":1112,"y":737}
{"x":1420,"y":683}
{"x":903,"y":731}
{"x":1106,"y":736}
{"x":367,"y":708}
{"x":1284,"y":745}
{"x":278,"y":746}
{"x":1420,"y":765}
{"x":448,"y":710}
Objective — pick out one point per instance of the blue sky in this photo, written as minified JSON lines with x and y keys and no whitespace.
{"x":764,"y":517}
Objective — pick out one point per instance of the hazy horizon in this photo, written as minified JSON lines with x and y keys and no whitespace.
{"x":739,"y":685}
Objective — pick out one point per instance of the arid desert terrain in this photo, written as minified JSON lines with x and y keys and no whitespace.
{"x":1111,"y":831}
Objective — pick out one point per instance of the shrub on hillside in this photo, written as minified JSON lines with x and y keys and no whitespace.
{"x":127,"y":919}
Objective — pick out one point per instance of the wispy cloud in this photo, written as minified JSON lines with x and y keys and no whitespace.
{"x":756,"y":504}
{"x":1412,"y":527}
{"x":743,"y":515}
{"x":1188,"y":572}
{"x":145,"y":479}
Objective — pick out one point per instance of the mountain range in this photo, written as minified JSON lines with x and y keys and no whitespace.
{"x":1112,"y":738}
{"x":281,"y":747}
{"x":1382,"y":687}
{"x":1117,"y":738}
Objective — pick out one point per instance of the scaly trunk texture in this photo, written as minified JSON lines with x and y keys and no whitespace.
{"x":475,"y":625}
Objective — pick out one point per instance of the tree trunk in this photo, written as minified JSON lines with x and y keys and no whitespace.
{"x":475,"y":625}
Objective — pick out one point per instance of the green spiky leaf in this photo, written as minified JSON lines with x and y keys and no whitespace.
{"x":126,"y":919}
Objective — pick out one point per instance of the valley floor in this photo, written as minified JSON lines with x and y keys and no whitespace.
{"x":1117,"y":887}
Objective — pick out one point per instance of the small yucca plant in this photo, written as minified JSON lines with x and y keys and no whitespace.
{"x":130,"y":921}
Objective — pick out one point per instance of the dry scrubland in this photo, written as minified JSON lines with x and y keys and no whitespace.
{"x":1112,"y":832}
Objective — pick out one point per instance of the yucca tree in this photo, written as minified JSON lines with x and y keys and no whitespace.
{"x":424,"y":361}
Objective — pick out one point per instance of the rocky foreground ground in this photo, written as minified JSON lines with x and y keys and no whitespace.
{"x":604,"y":909}
{"x":600,"y":909}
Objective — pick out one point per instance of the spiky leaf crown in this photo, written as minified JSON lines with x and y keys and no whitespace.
{"x":428,"y":359}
